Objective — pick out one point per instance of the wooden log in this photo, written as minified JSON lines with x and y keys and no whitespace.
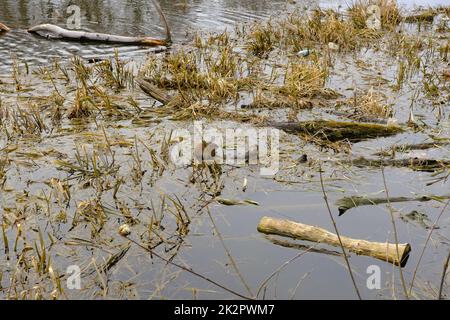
{"x":383,"y":251}
{"x":337,"y":131}
{"x":3,"y":27}
{"x":51,"y":31}
{"x":54,"y":32}
{"x":347,"y":203}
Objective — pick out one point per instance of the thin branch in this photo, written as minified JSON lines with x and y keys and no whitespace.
{"x":233,"y":263}
{"x":426,"y":243}
{"x":444,"y":273}
{"x":338,"y":235}
{"x":153,"y":253}
{"x":394,"y":227}
{"x":166,"y":25}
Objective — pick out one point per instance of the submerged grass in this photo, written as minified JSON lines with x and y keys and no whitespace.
{"x":108,"y":165}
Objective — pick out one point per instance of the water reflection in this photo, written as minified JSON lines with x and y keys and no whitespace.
{"x":124,"y":17}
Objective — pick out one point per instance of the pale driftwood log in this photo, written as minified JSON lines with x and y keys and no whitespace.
{"x":3,"y":27}
{"x":52,"y":31}
{"x":383,"y":251}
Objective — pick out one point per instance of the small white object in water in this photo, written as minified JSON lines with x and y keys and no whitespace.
{"x":333,"y":46}
{"x":411,"y":118}
{"x":417,"y":155}
{"x":392,"y":122}
{"x":304,"y":53}
{"x":124,"y":230}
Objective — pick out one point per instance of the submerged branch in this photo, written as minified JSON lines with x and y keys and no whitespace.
{"x":348,"y":203}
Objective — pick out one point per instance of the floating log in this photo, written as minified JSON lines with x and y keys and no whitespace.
{"x":383,"y":251}
{"x":334,"y":131}
{"x":3,"y":27}
{"x":51,"y":31}
{"x":348,"y":203}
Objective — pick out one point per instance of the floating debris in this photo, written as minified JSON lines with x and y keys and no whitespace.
{"x":124,"y":230}
{"x":234,"y":202}
{"x":337,"y":131}
{"x":348,"y":203}
{"x":383,"y":251}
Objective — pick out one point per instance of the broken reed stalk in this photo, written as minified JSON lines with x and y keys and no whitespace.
{"x":166,"y":25}
{"x":383,"y":251}
{"x":325,"y":198}
{"x":394,"y":227}
{"x":3,"y":27}
{"x":444,"y":273}
{"x":232,"y":261}
{"x":347,"y":203}
{"x":169,"y":261}
{"x":425,"y":245}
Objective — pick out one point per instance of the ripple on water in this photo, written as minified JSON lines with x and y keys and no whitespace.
{"x":118,"y":17}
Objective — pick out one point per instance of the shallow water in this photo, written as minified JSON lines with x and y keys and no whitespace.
{"x":324,"y":276}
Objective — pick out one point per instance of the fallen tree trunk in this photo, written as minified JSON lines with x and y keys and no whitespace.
{"x":3,"y":27}
{"x":51,"y":31}
{"x":348,"y":203}
{"x":334,"y":131}
{"x":383,"y":251}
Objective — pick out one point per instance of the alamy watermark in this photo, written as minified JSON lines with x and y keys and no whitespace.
{"x":235,"y":147}
{"x":73,"y":281}
{"x":374,"y":279}
{"x":69,"y":12}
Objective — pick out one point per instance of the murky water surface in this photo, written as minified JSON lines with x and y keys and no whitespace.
{"x":313,"y":275}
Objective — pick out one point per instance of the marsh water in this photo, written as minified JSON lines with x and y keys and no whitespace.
{"x":295,"y":193}
{"x":132,"y":18}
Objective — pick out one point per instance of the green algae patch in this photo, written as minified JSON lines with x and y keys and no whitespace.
{"x":334,"y":131}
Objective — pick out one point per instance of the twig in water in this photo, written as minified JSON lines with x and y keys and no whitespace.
{"x":395,"y":232}
{"x":233,"y":263}
{"x":153,"y":253}
{"x":444,"y":273}
{"x":338,"y":235}
{"x":426,"y":243}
